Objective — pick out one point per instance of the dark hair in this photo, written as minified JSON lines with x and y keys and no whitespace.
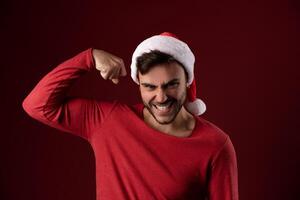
{"x":148,"y":60}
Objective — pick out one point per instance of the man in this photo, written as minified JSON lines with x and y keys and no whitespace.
{"x":159,"y":149}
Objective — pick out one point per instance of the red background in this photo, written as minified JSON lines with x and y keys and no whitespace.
{"x":246,"y":69}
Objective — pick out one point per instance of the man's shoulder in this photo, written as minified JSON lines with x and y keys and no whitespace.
{"x":210,"y":132}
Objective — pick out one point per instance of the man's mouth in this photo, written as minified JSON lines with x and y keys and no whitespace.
{"x":164,"y":107}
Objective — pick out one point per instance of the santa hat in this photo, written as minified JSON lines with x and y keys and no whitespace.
{"x":170,"y":44}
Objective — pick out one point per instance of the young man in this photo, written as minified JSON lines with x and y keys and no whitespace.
{"x":159,"y":149}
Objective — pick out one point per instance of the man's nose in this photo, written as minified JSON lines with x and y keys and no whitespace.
{"x":161,"y":96}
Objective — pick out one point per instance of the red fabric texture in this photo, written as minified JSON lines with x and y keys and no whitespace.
{"x":191,"y":92}
{"x":134,"y":161}
{"x":169,"y":34}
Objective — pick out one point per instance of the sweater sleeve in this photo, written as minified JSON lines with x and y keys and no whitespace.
{"x":223,"y":184}
{"x":49,"y":104}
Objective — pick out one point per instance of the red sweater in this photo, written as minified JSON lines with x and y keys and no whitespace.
{"x":134,"y":161}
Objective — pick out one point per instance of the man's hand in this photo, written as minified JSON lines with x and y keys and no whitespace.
{"x":111,"y":67}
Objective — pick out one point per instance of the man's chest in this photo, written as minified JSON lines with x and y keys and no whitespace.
{"x":145,"y":165}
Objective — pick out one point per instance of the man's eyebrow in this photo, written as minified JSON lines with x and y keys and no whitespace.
{"x":175,"y":80}
{"x":147,"y":84}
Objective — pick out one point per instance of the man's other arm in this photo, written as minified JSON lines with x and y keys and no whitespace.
{"x":223,"y":183}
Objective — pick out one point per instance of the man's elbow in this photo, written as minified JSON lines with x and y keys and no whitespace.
{"x":31,"y":108}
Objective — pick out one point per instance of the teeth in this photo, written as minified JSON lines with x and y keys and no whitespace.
{"x":164,"y":107}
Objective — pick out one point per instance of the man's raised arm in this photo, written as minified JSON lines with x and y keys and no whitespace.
{"x":48,"y":101}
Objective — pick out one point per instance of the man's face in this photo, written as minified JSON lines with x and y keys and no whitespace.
{"x":163,"y":91}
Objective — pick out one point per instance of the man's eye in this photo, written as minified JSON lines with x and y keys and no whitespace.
{"x":151,"y":87}
{"x":173,"y":85}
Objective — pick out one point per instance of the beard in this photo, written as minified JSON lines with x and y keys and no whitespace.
{"x":174,"y":104}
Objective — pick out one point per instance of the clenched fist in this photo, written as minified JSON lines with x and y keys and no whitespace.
{"x":111,"y":67}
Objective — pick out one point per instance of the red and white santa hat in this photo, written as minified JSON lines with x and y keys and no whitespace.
{"x":170,"y":44}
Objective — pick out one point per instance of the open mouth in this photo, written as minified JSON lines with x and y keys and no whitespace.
{"x":165,"y":107}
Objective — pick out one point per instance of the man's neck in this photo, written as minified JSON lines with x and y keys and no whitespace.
{"x":182,"y":126}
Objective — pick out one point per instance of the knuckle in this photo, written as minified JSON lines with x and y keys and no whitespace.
{"x":104,"y":76}
{"x":119,"y":61}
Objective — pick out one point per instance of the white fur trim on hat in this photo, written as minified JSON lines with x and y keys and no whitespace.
{"x":197,"y":107}
{"x":166,"y":44}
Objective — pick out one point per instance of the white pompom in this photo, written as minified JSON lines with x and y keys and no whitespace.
{"x":197,"y":107}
